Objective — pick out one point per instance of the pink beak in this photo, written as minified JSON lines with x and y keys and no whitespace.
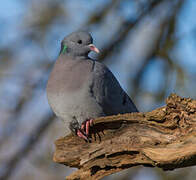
{"x":93,"y":48}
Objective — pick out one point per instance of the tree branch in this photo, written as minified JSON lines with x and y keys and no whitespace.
{"x":164,"y":138}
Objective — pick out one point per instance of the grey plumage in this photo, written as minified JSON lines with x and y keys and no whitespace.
{"x":80,"y":88}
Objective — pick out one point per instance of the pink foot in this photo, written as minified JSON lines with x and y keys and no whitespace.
{"x":81,"y":135}
{"x":84,"y":131}
{"x":86,"y":126}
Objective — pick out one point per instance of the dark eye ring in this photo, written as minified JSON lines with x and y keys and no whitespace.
{"x":79,"y":42}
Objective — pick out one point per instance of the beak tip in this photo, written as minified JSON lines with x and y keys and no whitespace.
{"x":97,"y":51}
{"x":94,"y":48}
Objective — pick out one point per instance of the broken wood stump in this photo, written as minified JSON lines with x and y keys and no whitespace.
{"x":164,"y":138}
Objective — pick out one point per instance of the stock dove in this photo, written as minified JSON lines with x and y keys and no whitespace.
{"x":80,"y":89}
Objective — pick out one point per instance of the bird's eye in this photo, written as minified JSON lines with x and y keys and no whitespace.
{"x":79,"y":41}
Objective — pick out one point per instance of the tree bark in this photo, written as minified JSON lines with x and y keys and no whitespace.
{"x":164,"y":138}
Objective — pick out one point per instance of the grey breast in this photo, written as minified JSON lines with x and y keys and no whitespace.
{"x":68,"y":75}
{"x":68,"y":90}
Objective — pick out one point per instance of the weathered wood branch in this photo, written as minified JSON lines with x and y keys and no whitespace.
{"x":165,"y":138}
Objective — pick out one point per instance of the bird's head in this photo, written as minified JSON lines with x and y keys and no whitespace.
{"x":78,"y":43}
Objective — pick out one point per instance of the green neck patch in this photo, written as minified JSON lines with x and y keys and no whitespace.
{"x":64,"y":49}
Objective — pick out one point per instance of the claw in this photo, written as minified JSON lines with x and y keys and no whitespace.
{"x":103,"y":132}
{"x":94,"y":136}
{"x":99,"y":137}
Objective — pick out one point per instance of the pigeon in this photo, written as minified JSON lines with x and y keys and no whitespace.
{"x":81,"y":89}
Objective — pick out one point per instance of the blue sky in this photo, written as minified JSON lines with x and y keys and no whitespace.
{"x":13,"y":11}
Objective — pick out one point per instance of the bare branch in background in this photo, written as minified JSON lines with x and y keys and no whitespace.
{"x":27,"y":94}
{"x":98,"y":16}
{"x":124,"y":30}
{"x":164,"y":44}
{"x":29,"y":143}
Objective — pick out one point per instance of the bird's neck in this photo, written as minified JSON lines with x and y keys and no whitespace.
{"x":77,"y":57}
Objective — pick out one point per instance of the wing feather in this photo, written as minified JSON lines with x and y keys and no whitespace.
{"x":108,"y":92}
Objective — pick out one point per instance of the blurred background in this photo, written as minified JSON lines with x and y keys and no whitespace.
{"x":150,"y":46}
